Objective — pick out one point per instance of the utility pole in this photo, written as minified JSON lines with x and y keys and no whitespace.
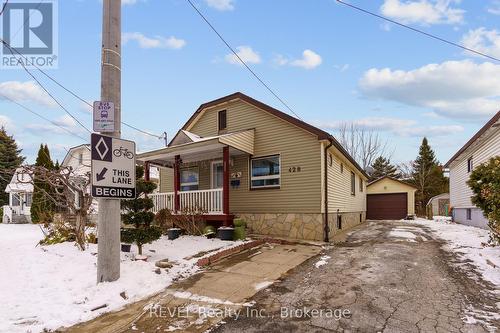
{"x":108,"y":257}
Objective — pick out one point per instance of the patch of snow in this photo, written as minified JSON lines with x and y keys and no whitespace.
{"x":410,"y":236}
{"x":46,"y":287}
{"x":470,"y":243}
{"x":322,"y":261}
{"x":263,"y":285}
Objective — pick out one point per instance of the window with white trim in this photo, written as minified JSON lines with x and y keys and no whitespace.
{"x":189,"y":179}
{"x":265,"y":172}
{"x":353,"y":183}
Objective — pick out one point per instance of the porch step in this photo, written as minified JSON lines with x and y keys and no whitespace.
{"x":20,"y":219}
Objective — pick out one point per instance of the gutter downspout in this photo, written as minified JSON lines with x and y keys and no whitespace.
{"x":326,"y":229}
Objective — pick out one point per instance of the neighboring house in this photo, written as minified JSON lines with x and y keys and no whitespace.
{"x":439,"y":205}
{"x":79,"y":159}
{"x":390,"y":199}
{"x":20,"y":197}
{"x":237,"y":156}
{"x":484,"y":145}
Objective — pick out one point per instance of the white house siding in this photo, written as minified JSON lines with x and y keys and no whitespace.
{"x":460,"y":192}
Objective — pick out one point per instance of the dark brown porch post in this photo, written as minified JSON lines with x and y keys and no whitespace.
{"x":225,"y":186}
{"x":147,"y":175}
{"x":177,"y":182}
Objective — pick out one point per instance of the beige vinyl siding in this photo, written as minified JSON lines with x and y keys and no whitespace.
{"x":460,"y":192}
{"x":339,"y":185}
{"x":387,"y":185}
{"x":243,"y":141}
{"x":166,"y":180}
{"x":300,"y":192}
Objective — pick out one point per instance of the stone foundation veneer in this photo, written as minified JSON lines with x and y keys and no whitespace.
{"x":304,"y":226}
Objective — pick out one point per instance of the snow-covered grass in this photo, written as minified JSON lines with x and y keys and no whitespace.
{"x":470,"y":243}
{"x":53,"y":286}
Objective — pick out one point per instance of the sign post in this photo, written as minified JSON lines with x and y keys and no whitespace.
{"x":113,"y":167}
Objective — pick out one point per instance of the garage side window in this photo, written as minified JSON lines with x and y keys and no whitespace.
{"x":353,"y":183}
{"x":361,"y":184}
{"x":265,"y":172}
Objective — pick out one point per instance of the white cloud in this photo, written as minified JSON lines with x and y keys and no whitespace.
{"x":494,"y":8}
{"x":156,"y":42}
{"x":246,"y":53}
{"x":6,"y":122}
{"x":27,"y":91}
{"x":342,"y":68}
{"x":129,"y":2}
{"x":309,"y":60}
{"x":484,"y":41}
{"x":424,"y":12}
{"x":396,"y":126}
{"x":222,"y":5}
{"x":64,"y":121}
{"x":461,"y":89}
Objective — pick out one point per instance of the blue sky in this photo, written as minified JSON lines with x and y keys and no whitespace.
{"x":330,"y":63}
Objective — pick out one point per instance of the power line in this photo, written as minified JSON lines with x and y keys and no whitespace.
{"x":71,"y":92}
{"x":42,"y":117}
{"x":241,"y":60}
{"x":418,"y":31}
{"x":45,"y":89}
{"x":3,"y":7}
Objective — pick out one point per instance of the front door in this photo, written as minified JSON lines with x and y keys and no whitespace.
{"x":217,"y":174}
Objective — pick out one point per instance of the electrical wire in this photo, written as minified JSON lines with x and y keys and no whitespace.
{"x":3,"y":7}
{"x":71,"y":92}
{"x":241,"y":60}
{"x":44,"y":118}
{"x":418,"y":30}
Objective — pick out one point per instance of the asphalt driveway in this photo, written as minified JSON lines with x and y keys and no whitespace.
{"x":376,"y":281}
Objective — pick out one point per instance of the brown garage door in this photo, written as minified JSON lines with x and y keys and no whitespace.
{"x":392,"y":206}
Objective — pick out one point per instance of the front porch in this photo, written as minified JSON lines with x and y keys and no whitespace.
{"x":201,"y":173}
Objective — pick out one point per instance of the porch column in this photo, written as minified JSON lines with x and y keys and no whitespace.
{"x":177,"y":182}
{"x":147,"y":175}
{"x":225,"y":185}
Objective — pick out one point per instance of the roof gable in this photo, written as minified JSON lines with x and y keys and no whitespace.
{"x":320,"y":134}
{"x":391,"y":179}
{"x":493,"y":122}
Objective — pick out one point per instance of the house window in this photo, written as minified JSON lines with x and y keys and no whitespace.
{"x":339,"y":222}
{"x":361,"y":184}
{"x":265,"y":172}
{"x":469,"y":165}
{"x":217,"y":174}
{"x":189,"y":179}
{"x":222,"y":120}
{"x":29,"y":199}
{"x":341,"y":167}
{"x":80,"y":158}
{"x":330,"y":159}
{"x":353,"y":183}
{"x":16,"y":201}
{"x":469,"y":214}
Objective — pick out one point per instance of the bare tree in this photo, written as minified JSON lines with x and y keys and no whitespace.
{"x":364,"y":145}
{"x":406,"y":169}
{"x":70,"y":192}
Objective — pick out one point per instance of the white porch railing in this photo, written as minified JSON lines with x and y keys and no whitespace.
{"x":209,"y":201}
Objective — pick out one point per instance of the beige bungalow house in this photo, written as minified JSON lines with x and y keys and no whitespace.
{"x":237,"y":156}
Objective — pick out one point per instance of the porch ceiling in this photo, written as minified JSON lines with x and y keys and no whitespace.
{"x":206,"y":148}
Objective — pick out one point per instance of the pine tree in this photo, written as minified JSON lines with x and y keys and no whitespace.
{"x":382,"y":167}
{"x":427,"y":176}
{"x":138,"y":215}
{"x":42,"y":207}
{"x":10,"y":159}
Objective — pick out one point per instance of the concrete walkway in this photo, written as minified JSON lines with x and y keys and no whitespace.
{"x":205,"y":299}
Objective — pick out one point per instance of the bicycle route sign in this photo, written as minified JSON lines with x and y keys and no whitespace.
{"x":113,"y":167}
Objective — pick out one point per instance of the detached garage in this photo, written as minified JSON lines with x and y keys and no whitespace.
{"x":390,"y":199}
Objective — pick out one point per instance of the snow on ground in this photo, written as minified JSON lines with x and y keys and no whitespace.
{"x":322,"y":261}
{"x":53,"y":286}
{"x":470,"y":243}
{"x":409,"y":236}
